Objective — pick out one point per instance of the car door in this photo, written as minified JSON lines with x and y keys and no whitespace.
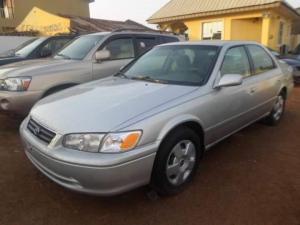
{"x":266,"y":80}
{"x":231,"y":106}
{"x":122,"y":52}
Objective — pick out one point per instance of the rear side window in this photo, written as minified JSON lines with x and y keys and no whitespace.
{"x":122,"y":48}
{"x":236,"y":62}
{"x":144,"y":44}
{"x":262,"y":61}
{"x":170,"y":39}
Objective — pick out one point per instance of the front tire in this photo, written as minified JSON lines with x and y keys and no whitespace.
{"x":277,"y":112}
{"x":176,"y":162}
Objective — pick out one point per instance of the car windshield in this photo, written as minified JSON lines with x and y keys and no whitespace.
{"x":26,"y":50}
{"x":174,"y":64}
{"x":80,"y":47}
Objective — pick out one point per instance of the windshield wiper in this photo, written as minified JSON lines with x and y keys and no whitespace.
{"x":149,"y":79}
{"x":64,"y":56}
{"x":119,"y":74}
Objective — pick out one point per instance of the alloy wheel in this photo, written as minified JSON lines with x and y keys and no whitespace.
{"x":181,"y":162}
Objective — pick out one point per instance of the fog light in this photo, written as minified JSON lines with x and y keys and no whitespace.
{"x":4,"y":104}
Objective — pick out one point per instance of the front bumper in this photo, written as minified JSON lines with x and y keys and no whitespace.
{"x":296,"y":74}
{"x":18,"y":102}
{"x":90,"y":173}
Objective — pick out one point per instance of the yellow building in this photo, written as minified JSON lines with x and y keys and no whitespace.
{"x":13,"y":12}
{"x":42,"y":23}
{"x":266,"y":21}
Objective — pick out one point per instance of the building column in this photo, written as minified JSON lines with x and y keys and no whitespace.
{"x":266,"y":28}
{"x":227,"y":29}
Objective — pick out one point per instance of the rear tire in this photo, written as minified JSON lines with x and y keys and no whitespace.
{"x":277,"y":112}
{"x":176,"y":162}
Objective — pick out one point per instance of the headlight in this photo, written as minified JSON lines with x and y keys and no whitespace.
{"x":120,"y":142}
{"x":110,"y":143}
{"x":83,"y":142}
{"x":16,"y":84}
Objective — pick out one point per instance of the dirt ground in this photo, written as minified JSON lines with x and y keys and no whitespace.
{"x":252,"y":178}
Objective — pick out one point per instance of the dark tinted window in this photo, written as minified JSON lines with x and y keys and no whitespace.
{"x":261,"y":59}
{"x":189,"y":65}
{"x":60,"y":43}
{"x":144,"y":44}
{"x":236,"y":62}
{"x":48,"y":46}
{"x":170,"y":39}
{"x":122,"y":48}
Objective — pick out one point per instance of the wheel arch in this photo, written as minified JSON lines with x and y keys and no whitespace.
{"x":58,"y":87}
{"x":189,"y":121}
{"x":283,"y":91}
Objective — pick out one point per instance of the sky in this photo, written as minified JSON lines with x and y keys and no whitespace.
{"x":137,"y":10}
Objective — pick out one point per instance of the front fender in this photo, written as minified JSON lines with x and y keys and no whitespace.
{"x":177,"y":121}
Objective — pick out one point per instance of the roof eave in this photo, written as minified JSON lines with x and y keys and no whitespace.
{"x":220,"y":12}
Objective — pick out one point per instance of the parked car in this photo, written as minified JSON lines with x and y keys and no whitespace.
{"x":35,"y":48}
{"x":87,"y":58}
{"x":152,"y":122}
{"x":294,"y":62}
{"x":274,"y":52}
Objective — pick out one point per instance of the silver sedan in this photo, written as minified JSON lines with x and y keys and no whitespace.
{"x":152,"y":122}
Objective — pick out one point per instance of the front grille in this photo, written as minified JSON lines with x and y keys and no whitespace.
{"x":40,"y":132}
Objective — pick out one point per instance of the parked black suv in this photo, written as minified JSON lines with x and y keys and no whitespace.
{"x":35,"y":48}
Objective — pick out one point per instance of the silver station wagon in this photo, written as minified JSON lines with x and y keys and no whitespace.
{"x":152,"y":122}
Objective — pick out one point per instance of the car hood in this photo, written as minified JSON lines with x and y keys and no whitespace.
{"x":7,"y":60}
{"x":103,"y":105}
{"x":5,"y":57}
{"x":291,"y":61}
{"x":35,"y":67}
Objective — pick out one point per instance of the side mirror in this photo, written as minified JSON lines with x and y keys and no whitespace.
{"x":230,"y":80}
{"x":102,"y":55}
{"x":45,"y":53}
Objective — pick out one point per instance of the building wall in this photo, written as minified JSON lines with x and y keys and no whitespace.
{"x":11,"y":42}
{"x":23,"y":7}
{"x":246,"y":29}
{"x":44,"y":23}
{"x":260,"y":26}
{"x":295,"y":41}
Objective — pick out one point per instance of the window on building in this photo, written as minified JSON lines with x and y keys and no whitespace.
{"x":281,"y":32}
{"x":212,"y":30}
{"x":7,"y":9}
{"x":236,"y":62}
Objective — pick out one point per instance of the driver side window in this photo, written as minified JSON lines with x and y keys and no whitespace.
{"x":121,"y":48}
{"x":236,"y":62}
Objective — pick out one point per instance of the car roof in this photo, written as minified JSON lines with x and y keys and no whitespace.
{"x":213,"y":43}
{"x":135,"y":33}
